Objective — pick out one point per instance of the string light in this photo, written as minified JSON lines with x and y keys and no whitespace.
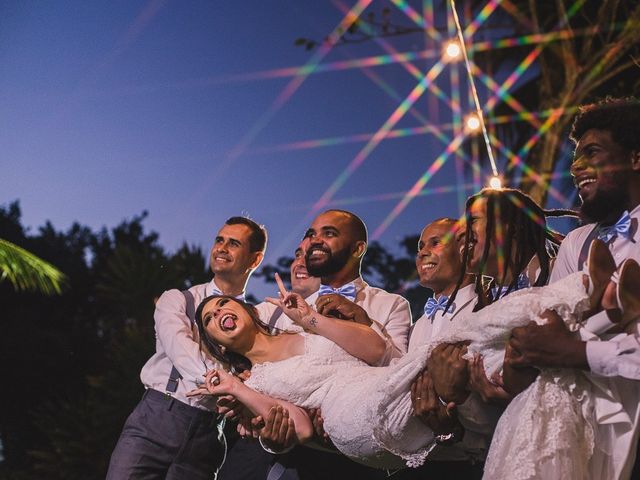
{"x":452,"y":51}
{"x":495,"y":182}
{"x":472,"y":123}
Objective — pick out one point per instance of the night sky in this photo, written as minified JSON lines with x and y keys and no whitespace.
{"x":192,"y":111}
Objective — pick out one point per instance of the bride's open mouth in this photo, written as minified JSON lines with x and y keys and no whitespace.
{"x":228,"y":322}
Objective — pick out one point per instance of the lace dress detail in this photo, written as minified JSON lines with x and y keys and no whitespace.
{"x":367,"y":410}
{"x":547,"y":431}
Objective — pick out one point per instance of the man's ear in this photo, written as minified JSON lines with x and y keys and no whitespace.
{"x":360,"y":249}
{"x":635,"y":160}
{"x":257,"y":260}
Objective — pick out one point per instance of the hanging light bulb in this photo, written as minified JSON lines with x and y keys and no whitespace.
{"x":495,"y":183}
{"x":473,"y":123}
{"x":452,"y":51}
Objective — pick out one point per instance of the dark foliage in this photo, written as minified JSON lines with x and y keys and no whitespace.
{"x":70,"y":363}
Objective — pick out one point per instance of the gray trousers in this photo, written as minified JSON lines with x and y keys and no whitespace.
{"x":165,"y":438}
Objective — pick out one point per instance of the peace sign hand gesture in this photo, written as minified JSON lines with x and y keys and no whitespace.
{"x":291,"y":303}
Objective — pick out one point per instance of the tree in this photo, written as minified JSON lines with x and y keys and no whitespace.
{"x":73,"y":360}
{"x":23,"y":269}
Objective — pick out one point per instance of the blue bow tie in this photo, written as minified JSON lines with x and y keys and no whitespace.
{"x":347,"y":291}
{"x":433,"y":305}
{"x":217,"y":291}
{"x":523,"y":282}
{"x":621,"y":227}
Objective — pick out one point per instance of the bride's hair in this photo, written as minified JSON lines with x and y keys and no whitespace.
{"x":236,"y":361}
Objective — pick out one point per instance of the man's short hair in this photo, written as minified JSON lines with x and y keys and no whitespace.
{"x":619,"y":116}
{"x":359,"y":228}
{"x":258,"y":237}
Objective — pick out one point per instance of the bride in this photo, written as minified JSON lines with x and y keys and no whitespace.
{"x":367,"y":410}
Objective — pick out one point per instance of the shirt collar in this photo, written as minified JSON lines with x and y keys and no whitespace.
{"x":466,"y":295}
{"x":213,"y":289}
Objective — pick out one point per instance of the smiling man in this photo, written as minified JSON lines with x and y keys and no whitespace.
{"x":335,"y":245}
{"x":301,"y":282}
{"x":606,"y":171}
{"x":170,"y":435}
{"x":439,"y":267}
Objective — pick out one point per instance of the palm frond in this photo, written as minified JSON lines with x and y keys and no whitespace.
{"x":26,"y":271}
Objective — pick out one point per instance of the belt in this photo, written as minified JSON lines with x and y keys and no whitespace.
{"x":171,"y":403}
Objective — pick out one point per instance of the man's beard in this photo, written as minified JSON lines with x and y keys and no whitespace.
{"x":604,"y":204}
{"x":333,"y":263}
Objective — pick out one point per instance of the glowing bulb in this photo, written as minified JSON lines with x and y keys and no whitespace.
{"x":452,"y":50}
{"x":473,"y":123}
{"x":495,"y":183}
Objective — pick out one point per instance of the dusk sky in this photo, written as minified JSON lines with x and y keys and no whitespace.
{"x":193,"y":111}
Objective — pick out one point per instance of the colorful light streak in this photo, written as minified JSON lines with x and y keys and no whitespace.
{"x":482,"y":16}
{"x":438,"y":131}
{"x":293,"y":85}
{"x":389,"y":59}
{"x":410,"y":12}
{"x":412,"y":193}
{"x":395,"y":117}
{"x":516,"y":160}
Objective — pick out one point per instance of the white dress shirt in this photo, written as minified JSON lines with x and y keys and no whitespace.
{"x":390,"y":315}
{"x":478,"y":418}
{"x":177,"y":344}
{"x":620,"y":355}
{"x":614,"y":361}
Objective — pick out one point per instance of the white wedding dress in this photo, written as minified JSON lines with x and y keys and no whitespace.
{"x":547,"y":431}
{"x":367,"y":410}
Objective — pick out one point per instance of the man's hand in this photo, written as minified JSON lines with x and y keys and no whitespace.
{"x":450,"y":372}
{"x":516,"y":379}
{"x":491,"y":391}
{"x":439,"y":418}
{"x":250,"y":426}
{"x":279,"y":432}
{"x":548,"y":345}
{"x":334,"y":305}
{"x":228,"y":406}
{"x":318,"y":427}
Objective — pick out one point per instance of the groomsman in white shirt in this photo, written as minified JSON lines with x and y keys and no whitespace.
{"x":606,"y":171}
{"x":335,"y":245}
{"x":170,"y":435}
{"x":465,"y":438}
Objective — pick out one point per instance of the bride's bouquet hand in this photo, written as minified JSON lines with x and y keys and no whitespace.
{"x":291,"y":303}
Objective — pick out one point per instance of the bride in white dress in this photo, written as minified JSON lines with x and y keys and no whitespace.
{"x":367,"y":410}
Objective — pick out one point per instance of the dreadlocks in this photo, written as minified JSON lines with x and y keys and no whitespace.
{"x":517,"y":226}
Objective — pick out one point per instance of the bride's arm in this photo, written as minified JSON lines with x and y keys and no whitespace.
{"x":359,"y":340}
{"x":219,"y":382}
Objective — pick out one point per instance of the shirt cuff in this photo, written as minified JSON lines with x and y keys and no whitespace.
{"x":600,"y":356}
{"x":275,"y":452}
{"x":598,"y":323}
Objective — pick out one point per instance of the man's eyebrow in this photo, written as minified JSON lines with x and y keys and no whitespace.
{"x":309,"y":232}
{"x":590,"y":144}
{"x":330,"y":227}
